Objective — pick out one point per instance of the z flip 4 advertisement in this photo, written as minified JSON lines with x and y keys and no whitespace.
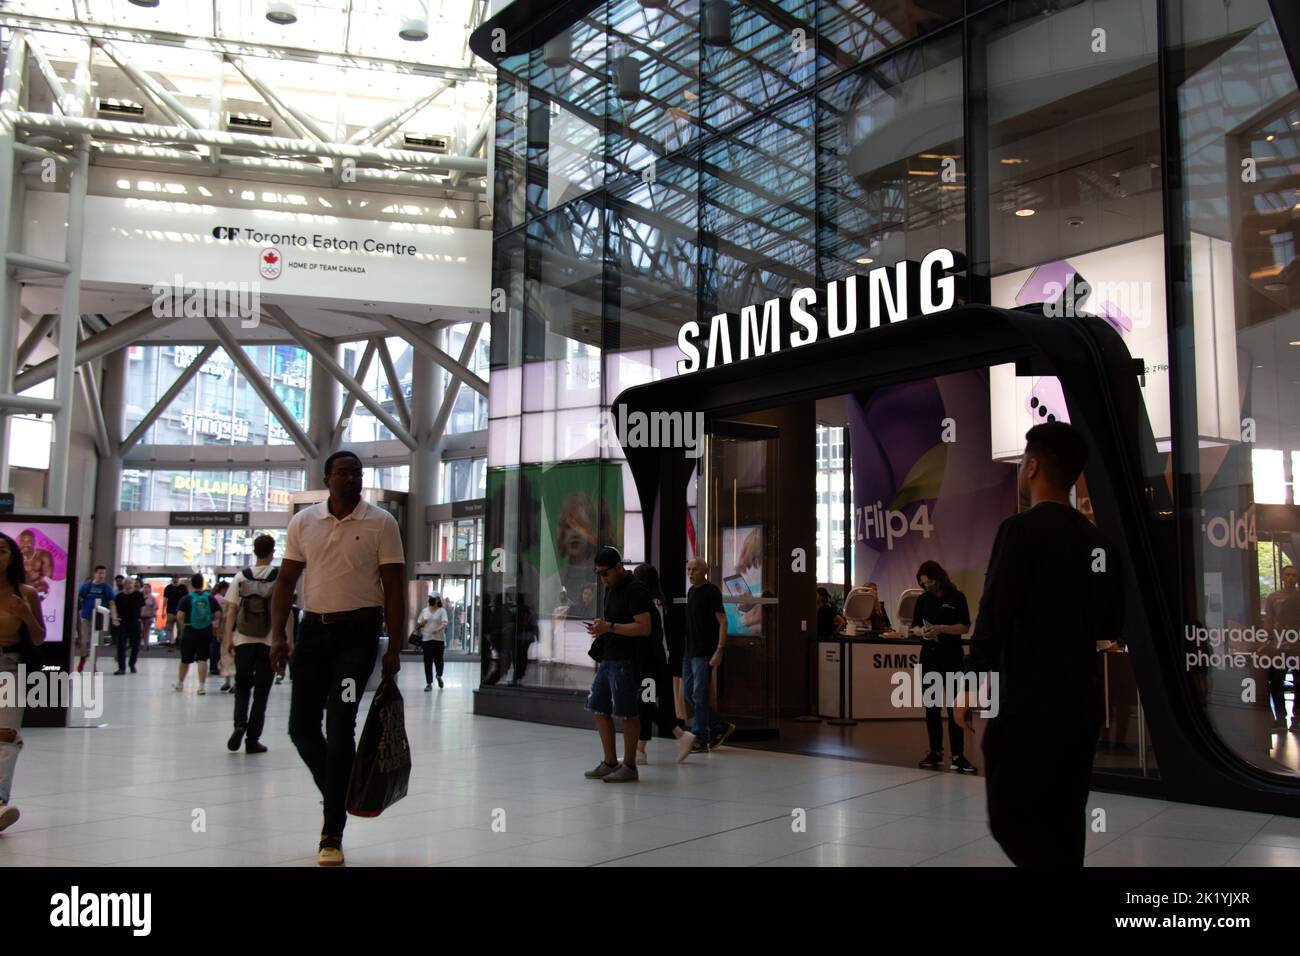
{"x":44,"y":547}
{"x":923,"y":490}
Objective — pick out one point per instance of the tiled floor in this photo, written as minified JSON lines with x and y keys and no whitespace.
{"x":156,"y":786}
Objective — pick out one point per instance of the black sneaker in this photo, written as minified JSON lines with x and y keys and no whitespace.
{"x":723,"y":734}
{"x":962,"y":765}
{"x":932,"y":761}
{"x":255,"y":747}
{"x":235,"y":740}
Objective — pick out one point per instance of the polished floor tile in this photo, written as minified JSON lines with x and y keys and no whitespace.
{"x":152,"y":784}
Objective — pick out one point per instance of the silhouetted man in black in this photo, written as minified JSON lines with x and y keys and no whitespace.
{"x":1052,"y":590}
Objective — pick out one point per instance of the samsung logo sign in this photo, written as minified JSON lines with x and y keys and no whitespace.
{"x":886,"y":294}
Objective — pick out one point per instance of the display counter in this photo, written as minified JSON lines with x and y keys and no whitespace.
{"x":856,"y":674}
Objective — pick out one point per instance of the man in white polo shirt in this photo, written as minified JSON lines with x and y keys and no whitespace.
{"x":349,"y":556}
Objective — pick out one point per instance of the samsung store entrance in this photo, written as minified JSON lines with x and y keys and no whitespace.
{"x":918,"y":426}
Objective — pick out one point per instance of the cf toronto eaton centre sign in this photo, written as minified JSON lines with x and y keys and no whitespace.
{"x":888,"y":294}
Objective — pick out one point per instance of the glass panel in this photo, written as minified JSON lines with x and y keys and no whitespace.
{"x":892,"y":174}
{"x":850,"y":31}
{"x":1238,"y":115}
{"x":750,"y":58}
{"x":757,"y":211}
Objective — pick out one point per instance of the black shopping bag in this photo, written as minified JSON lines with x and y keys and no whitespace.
{"x":382,"y":768}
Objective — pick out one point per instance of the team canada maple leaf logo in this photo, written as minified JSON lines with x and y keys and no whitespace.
{"x":270,"y":263}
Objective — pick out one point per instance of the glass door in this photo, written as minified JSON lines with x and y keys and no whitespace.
{"x":740,"y":522}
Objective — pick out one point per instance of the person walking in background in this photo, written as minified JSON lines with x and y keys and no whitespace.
{"x":1282,"y":614}
{"x":148,"y":613}
{"x":20,"y":620}
{"x":1046,"y":603}
{"x":129,"y":605}
{"x":349,"y":556}
{"x":615,"y":689}
{"x":246,"y":634}
{"x":173,"y":594}
{"x":706,"y":640}
{"x":96,"y":591}
{"x":654,"y":666}
{"x":194,"y":617}
{"x":432,"y":623}
{"x":219,"y":628}
{"x":525,"y":633}
{"x":943,"y":616}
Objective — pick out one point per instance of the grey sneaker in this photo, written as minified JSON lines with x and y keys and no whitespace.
{"x":624,"y":774}
{"x":601,"y":771}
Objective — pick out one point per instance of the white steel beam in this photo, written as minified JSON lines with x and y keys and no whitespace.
{"x":325,"y":360}
{"x":121,"y":129}
{"x":263,"y":388}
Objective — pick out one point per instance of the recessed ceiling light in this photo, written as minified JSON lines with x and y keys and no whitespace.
{"x":1024,"y":213}
{"x":1269,"y":138}
{"x":1013,"y":161}
{"x":1294,"y":343}
{"x":864,"y":261}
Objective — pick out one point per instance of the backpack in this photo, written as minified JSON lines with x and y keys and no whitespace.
{"x":200,"y":611}
{"x":254,"y":616}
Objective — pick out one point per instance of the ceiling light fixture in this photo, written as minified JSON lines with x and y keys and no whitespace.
{"x":144,"y":3}
{"x":864,"y":261}
{"x":1013,"y":161}
{"x":1025,"y":213}
{"x":282,"y":12}
{"x":415,"y":28}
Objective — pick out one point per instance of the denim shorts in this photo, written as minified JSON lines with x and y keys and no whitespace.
{"x":614,"y":691}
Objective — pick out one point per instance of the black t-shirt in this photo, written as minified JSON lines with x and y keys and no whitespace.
{"x":950,"y":608}
{"x":129,"y":606}
{"x":1046,"y":603}
{"x":826,"y":621}
{"x":622,"y":604}
{"x":172,"y":595}
{"x":703,"y":605}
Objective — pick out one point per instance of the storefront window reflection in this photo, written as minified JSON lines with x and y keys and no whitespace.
{"x":1238,"y":355}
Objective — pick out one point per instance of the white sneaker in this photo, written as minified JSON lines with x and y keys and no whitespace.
{"x":178,"y":687}
{"x":684,"y":744}
{"x":642,"y":758}
{"x":202,"y":691}
{"x":8,"y":816}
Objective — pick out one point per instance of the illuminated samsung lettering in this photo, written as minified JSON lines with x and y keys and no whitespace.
{"x":884,"y":296}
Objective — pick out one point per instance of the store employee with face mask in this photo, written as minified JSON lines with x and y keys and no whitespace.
{"x":943,"y":616}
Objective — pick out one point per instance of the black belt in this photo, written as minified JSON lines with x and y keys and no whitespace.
{"x":339,"y":617}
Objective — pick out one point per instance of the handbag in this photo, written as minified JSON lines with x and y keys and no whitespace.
{"x":597,"y":650}
{"x":416,"y":638}
{"x":381,"y":770}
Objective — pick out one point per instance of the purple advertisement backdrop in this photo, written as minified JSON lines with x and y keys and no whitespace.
{"x":917,"y":497}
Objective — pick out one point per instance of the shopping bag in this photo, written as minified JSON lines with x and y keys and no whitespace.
{"x":381,"y":770}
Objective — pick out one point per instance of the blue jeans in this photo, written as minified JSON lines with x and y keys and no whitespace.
{"x":11,"y":718}
{"x":696,"y":678}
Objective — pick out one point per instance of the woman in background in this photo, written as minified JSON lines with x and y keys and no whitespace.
{"x":20,"y":622}
{"x":944,"y":617}
{"x":432,"y":623}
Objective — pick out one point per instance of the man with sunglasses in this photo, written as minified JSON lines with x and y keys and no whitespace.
{"x":615,"y":691}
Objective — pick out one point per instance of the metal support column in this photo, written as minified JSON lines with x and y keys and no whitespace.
{"x":108,"y":479}
{"x":10,"y":230}
{"x":423,"y":487}
{"x":323,"y":414}
{"x":70,"y":310}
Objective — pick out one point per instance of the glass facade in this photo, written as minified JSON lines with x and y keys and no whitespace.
{"x":657,"y":166}
{"x":218,"y":406}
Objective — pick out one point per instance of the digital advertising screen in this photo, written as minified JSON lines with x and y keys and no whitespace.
{"x":45,"y":546}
